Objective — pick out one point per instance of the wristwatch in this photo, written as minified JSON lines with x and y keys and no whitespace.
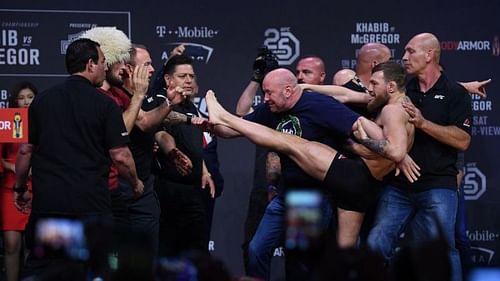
{"x":188,"y":118}
{"x":20,"y":189}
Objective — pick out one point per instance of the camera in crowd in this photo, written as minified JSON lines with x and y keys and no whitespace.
{"x":265,"y":62}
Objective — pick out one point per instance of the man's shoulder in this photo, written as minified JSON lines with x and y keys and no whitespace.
{"x":186,"y":107}
{"x":411,"y":82}
{"x":315,"y":96}
{"x":451,"y":85}
{"x":261,"y":114}
{"x":393,"y":110}
{"x":316,"y":100}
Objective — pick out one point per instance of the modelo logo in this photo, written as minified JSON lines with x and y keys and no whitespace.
{"x":481,"y":256}
{"x":283,"y":44}
{"x":474,"y":182}
{"x":71,"y":38}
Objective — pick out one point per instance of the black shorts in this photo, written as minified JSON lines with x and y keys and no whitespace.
{"x":351,"y":183}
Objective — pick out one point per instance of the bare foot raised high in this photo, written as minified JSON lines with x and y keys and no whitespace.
{"x":217,"y":114}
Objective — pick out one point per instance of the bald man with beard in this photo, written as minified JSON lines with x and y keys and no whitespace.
{"x":441,"y":113}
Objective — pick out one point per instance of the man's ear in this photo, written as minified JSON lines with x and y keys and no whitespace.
{"x":129,"y":68}
{"x":391,"y":87}
{"x":429,"y":55}
{"x":167,"y":80}
{"x":90,"y":66}
{"x":322,"y":75}
{"x":288,"y":91}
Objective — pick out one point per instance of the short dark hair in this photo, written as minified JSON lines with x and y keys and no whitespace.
{"x":174,"y":61}
{"x":392,"y":72}
{"x":17,"y":89}
{"x":78,"y":54}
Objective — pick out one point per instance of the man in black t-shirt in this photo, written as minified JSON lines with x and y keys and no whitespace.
{"x":183,"y":225}
{"x":74,"y":134}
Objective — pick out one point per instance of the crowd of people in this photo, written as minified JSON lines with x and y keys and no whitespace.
{"x":127,"y":154}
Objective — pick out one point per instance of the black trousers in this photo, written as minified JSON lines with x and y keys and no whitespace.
{"x":143,"y":212}
{"x":183,"y":219}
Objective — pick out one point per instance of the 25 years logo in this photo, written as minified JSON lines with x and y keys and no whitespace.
{"x":283,"y":44}
{"x":474,"y":182}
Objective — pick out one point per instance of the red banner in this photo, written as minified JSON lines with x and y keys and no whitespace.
{"x":14,"y":125}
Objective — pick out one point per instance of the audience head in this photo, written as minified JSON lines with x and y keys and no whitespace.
{"x":421,"y":53}
{"x":84,"y":57}
{"x":22,"y":94}
{"x":310,"y":70}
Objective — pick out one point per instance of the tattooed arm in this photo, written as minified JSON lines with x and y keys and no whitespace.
{"x":394,"y":145}
{"x":273,"y":174}
{"x":273,"y":168}
{"x":175,"y":118}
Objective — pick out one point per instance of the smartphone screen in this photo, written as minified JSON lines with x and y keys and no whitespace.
{"x":485,"y":274}
{"x":167,"y":269}
{"x":304,"y":219}
{"x":61,"y":238}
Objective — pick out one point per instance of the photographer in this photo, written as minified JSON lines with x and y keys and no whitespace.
{"x":264,"y":62}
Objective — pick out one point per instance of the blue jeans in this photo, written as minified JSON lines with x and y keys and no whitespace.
{"x":462,"y":241}
{"x":396,"y":208}
{"x":270,"y":235}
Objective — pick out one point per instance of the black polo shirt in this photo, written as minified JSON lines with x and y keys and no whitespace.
{"x":189,"y":140}
{"x":141,"y":142}
{"x":72,"y":127}
{"x":446,"y":103}
{"x":358,"y":108}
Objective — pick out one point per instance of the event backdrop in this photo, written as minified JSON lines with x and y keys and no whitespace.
{"x":223,"y":37}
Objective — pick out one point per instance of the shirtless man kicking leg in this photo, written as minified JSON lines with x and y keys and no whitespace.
{"x":348,"y":178}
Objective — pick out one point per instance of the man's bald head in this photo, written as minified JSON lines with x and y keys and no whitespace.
{"x":422,"y":54}
{"x":281,"y":91}
{"x":281,"y":77}
{"x":343,"y":76}
{"x":428,"y":42}
{"x":374,"y":53}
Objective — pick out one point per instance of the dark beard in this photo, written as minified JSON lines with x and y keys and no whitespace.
{"x":376,"y":107}
{"x":113,"y":81}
